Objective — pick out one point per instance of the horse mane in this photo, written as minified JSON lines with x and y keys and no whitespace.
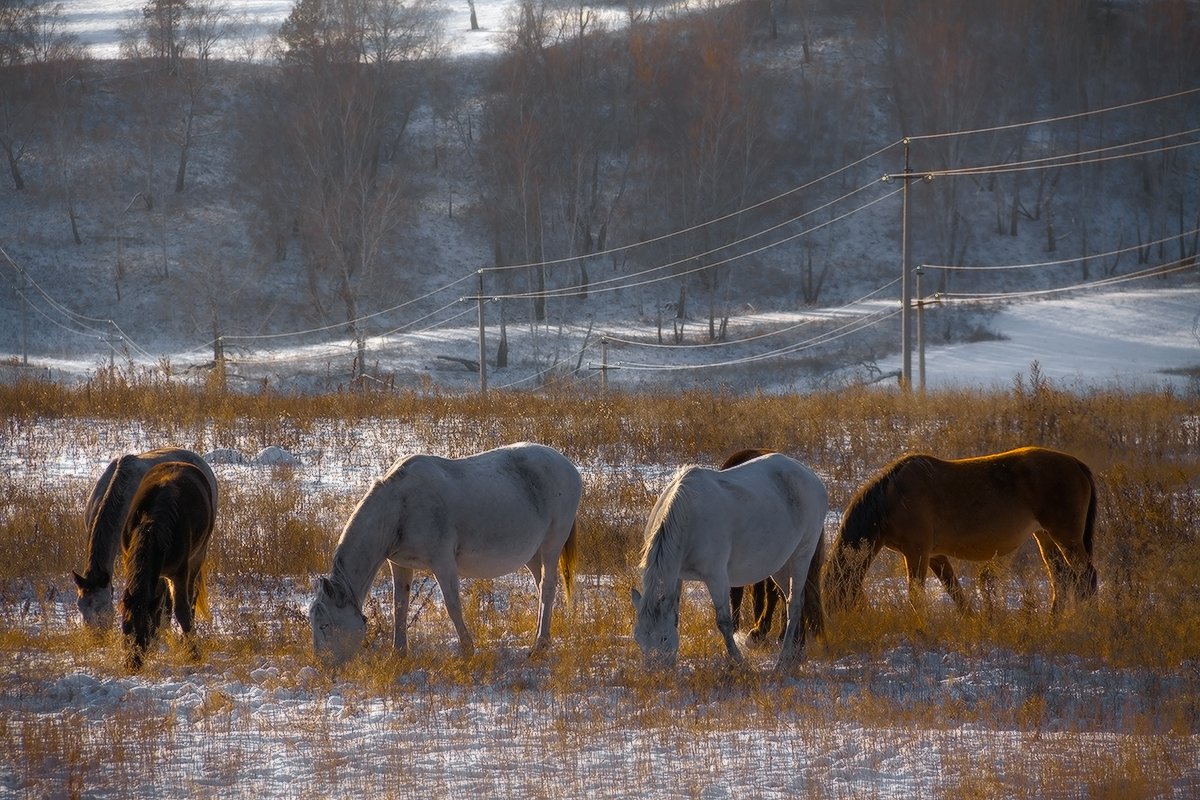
{"x":868,"y":507}
{"x":661,"y":545}
{"x":105,"y":527}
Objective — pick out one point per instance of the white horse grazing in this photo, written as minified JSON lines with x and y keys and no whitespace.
{"x":104,"y":517}
{"x":481,"y":516}
{"x":733,"y":527}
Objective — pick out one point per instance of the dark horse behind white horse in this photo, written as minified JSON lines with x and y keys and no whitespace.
{"x":481,"y":516}
{"x":734,"y":527}
{"x":930,"y":510}
{"x":164,"y":543}
{"x":104,"y":518}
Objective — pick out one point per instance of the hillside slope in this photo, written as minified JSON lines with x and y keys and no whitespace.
{"x":798,"y":291}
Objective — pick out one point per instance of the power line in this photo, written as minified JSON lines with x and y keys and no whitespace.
{"x":1062,"y":118}
{"x":335,"y":349}
{"x":854,"y":326}
{"x":696,"y":227}
{"x":1071,"y":159}
{"x":734,"y":342}
{"x":1059,"y":262}
{"x":356,"y":321}
{"x":1169,"y":268}
{"x":592,"y":288}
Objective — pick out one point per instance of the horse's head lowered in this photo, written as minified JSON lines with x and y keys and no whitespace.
{"x":656,"y":629}
{"x":95,"y":600}
{"x":338,"y":625}
{"x":141,"y":613}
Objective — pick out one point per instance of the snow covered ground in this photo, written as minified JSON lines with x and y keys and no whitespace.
{"x":271,"y":724}
{"x":98,"y":24}
{"x":1143,"y":338}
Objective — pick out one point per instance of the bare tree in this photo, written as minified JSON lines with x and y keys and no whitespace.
{"x":36,"y":57}
{"x":344,"y":98}
{"x":704,"y":116}
{"x":164,"y":22}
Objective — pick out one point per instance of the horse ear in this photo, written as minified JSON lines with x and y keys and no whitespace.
{"x":333,"y":591}
{"x":636,"y":597}
{"x":80,"y":581}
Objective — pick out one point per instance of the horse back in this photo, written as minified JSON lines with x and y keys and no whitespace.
{"x":175,"y":496}
{"x":972,"y":507}
{"x":523,"y":480}
{"x":769,"y":495}
{"x":107,"y":508}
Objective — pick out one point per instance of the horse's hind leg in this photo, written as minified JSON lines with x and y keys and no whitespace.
{"x":185,"y":596}
{"x":791,"y":648}
{"x":1074,"y":573}
{"x":763,"y":605}
{"x":401,"y":589}
{"x":546,"y":581}
{"x":945,"y":573}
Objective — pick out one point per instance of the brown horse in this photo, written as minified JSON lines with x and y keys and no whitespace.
{"x":765,"y":594}
{"x":104,"y":517}
{"x":930,"y":510}
{"x":164,"y":543}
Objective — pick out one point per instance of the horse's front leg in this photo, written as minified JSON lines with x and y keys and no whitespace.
{"x":718,"y":590}
{"x":945,"y":573}
{"x":446,"y":574}
{"x":735,"y":601}
{"x":401,"y":589}
{"x":918,"y":569}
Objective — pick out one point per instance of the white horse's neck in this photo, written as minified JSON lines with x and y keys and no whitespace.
{"x":365,"y":542}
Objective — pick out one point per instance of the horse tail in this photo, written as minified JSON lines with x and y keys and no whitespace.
{"x":202,"y":608}
{"x":1089,"y":526}
{"x":143,"y":565}
{"x":813,"y":613}
{"x":567,"y":560}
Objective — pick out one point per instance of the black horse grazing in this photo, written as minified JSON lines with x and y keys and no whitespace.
{"x":764,"y":595}
{"x":164,"y":543}
{"x":930,"y":511}
{"x":104,"y":517}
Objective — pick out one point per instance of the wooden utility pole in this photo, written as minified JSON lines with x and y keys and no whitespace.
{"x":23,"y":293}
{"x":905,"y":256}
{"x":920,"y":332}
{"x":482,"y":340}
{"x":604,"y":364}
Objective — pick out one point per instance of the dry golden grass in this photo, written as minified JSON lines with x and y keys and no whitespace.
{"x":1015,"y":674}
